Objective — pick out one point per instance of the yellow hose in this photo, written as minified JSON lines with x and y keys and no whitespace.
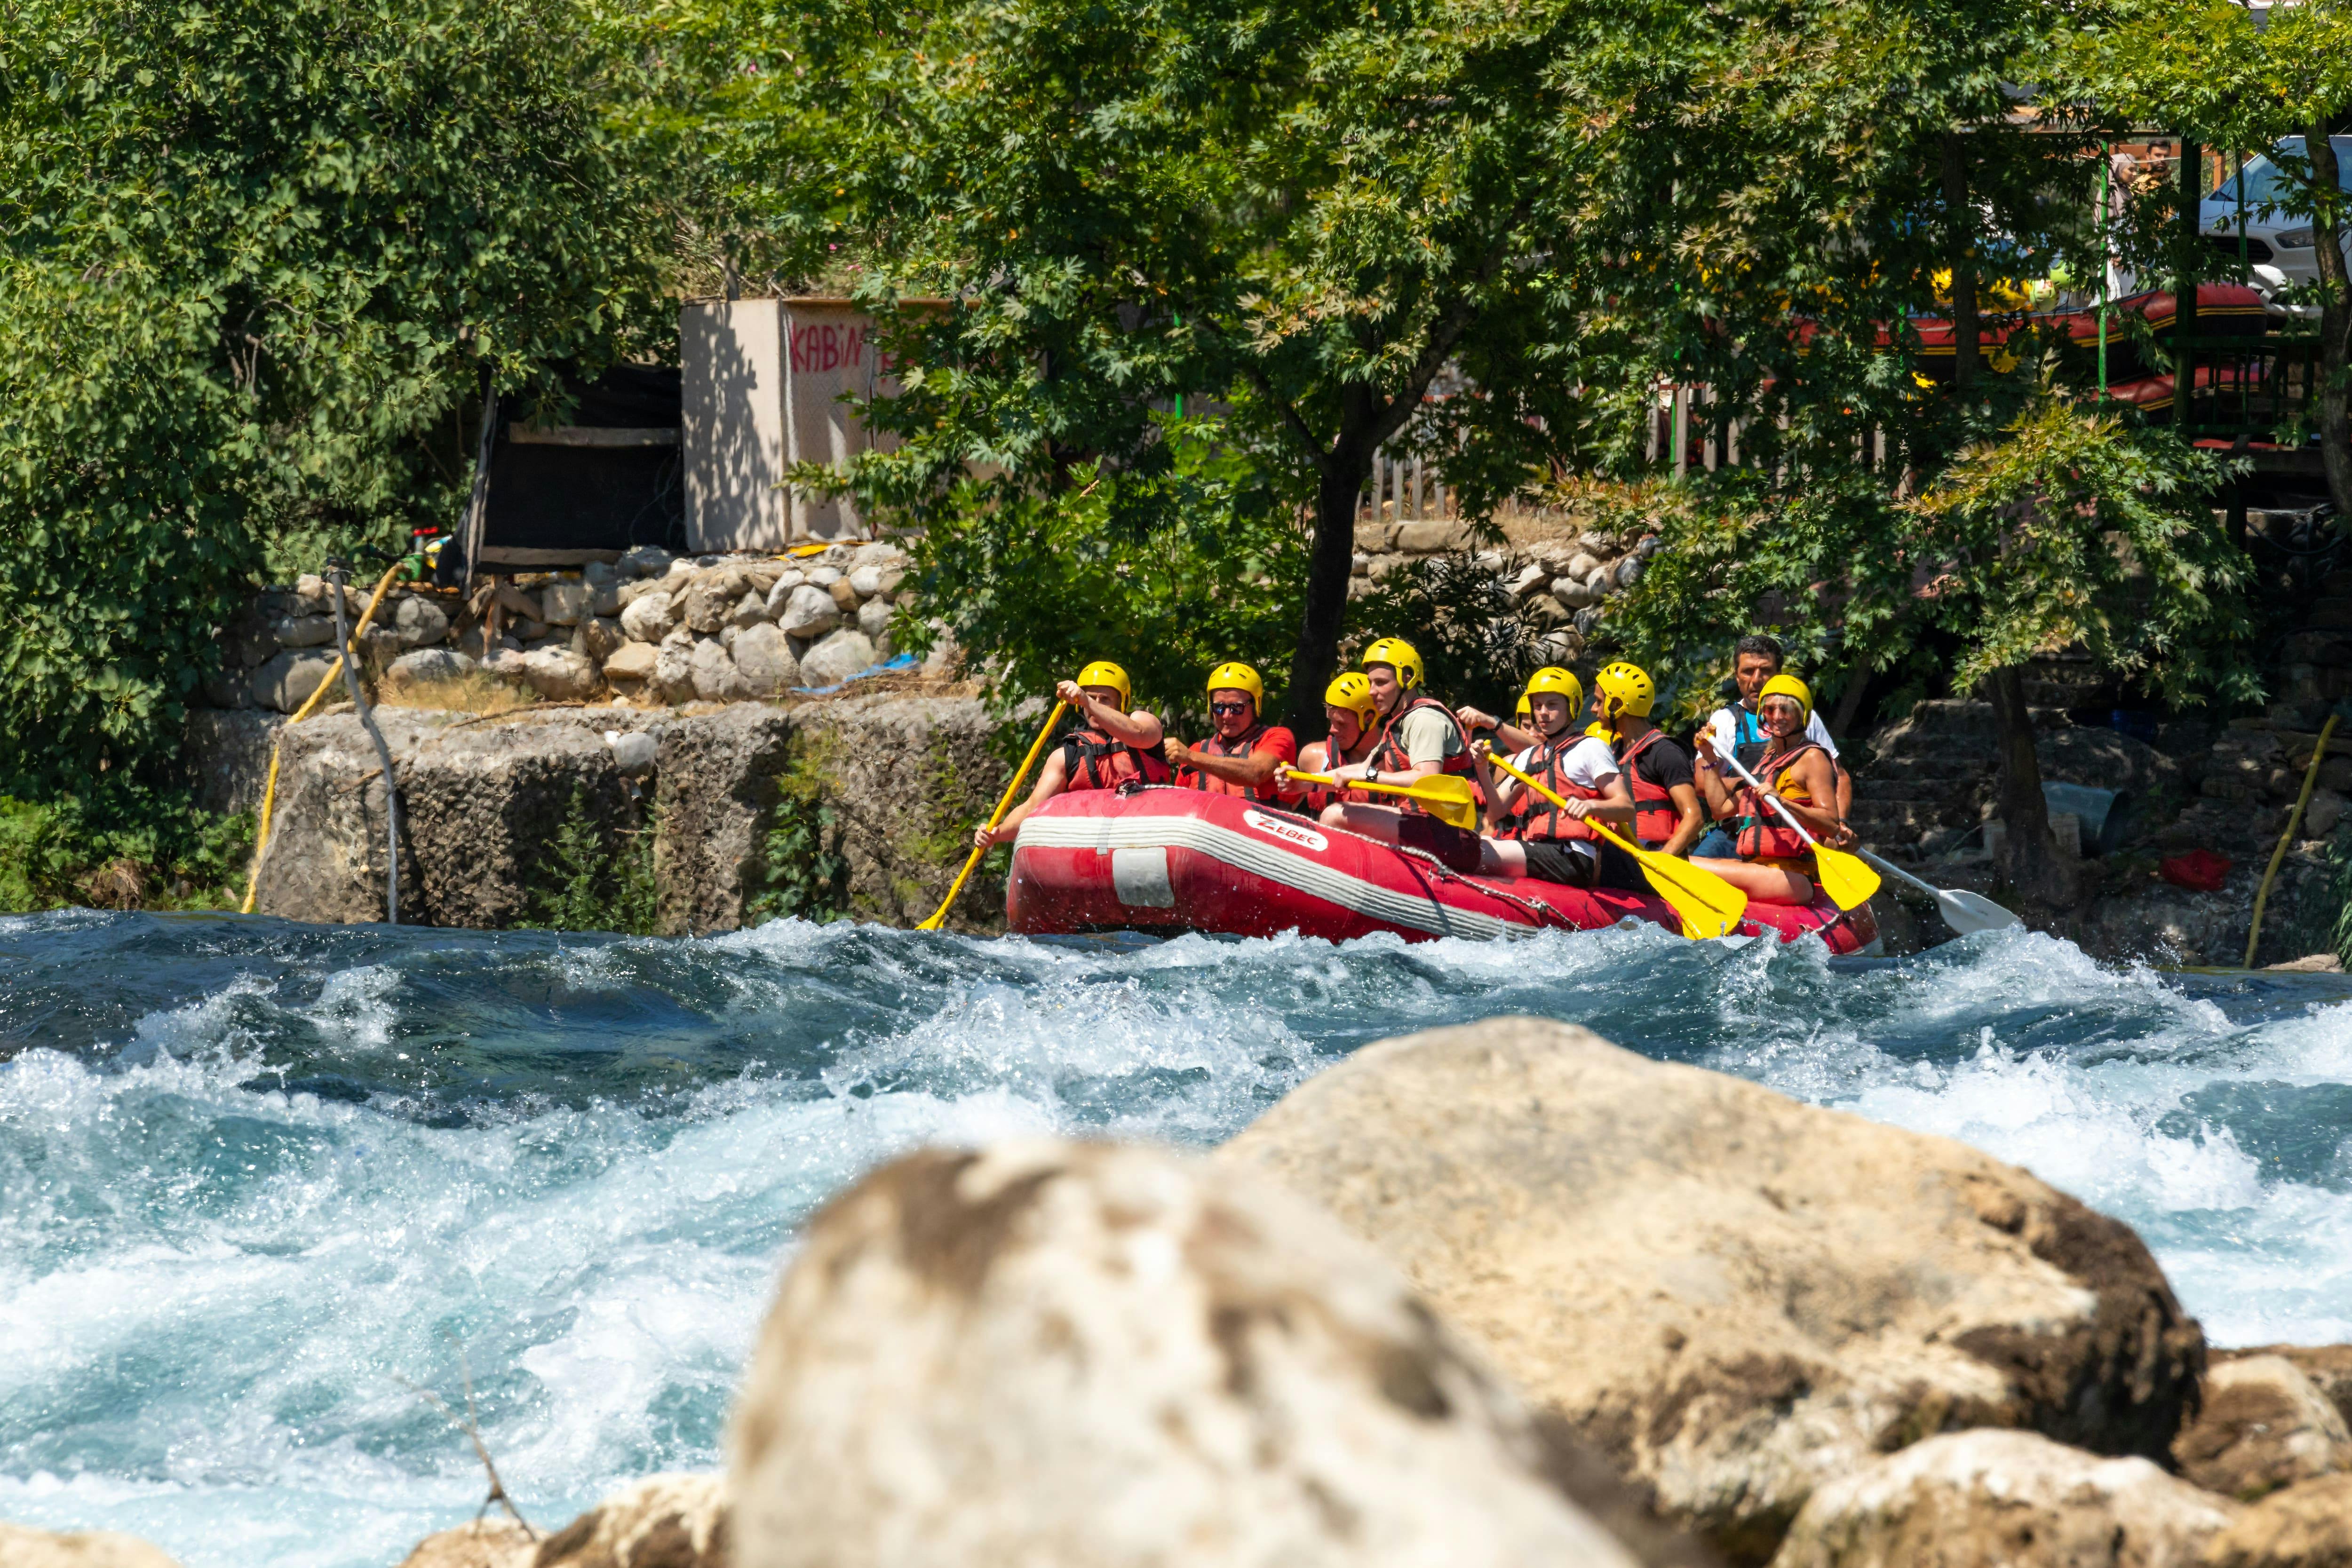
{"x":2294,"y":819}
{"x":269,"y":790}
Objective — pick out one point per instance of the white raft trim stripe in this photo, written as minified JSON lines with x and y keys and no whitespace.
{"x":1259,"y":857}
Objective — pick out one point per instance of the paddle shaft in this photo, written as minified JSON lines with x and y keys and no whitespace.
{"x":1003,"y":806}
{"x":1417,"y":790}
{"x":1929,"y":888}
{"x":1594,"y":822}
{"x":1778,"y":804}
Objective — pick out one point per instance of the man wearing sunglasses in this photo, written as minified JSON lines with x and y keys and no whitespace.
{"x":1241,"y":756}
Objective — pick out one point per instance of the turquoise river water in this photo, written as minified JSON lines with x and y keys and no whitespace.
{"x":265,"y":1188}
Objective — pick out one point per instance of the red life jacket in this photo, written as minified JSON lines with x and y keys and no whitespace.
{"x":1093,"y":761}
{"x":1655,"y":815}
{"x":1388,"y":756}
{"x":1534,"y":817}
{"x":1217,"y":746}
{"x":1764,"y":833}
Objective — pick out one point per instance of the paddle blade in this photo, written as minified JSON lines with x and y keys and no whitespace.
{"x":1451,"y":800}
{"x":1847,"y":880}
{"x":1966,"y":911}
{"x":1708,"y":905}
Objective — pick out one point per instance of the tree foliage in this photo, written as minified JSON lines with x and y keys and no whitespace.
{"x":260,"y":261}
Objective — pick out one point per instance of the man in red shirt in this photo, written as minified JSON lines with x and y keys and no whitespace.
{"x":1240,"y":757}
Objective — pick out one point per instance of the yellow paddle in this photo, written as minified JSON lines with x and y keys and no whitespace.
{"x":1709,"y":906}
{"x":995,"y":817}
{"x":1844,"y":877}
{"x":1451,"y":800}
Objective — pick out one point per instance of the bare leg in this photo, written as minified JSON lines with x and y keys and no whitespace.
{"x":1502,"y":857}
{"x":1372,"y":821}
{"x":1766,"y":883}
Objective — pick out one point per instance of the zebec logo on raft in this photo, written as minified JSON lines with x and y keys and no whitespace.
{"x":1289,"y":829}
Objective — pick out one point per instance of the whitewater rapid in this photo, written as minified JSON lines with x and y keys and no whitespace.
{"x":269,"y":1192}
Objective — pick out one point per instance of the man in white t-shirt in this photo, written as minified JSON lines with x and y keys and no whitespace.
{"x":1735,"y":733}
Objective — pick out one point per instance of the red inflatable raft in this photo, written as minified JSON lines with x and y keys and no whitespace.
{"x":1170,"y":860}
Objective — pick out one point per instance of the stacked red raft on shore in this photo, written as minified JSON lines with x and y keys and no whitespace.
{"x":1174,"y":859}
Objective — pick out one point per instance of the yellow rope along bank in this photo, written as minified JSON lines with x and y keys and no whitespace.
{"x":269,"y":789}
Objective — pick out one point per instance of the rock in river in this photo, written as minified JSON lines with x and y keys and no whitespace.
{"x":1972,"y":1499}
{"x":2306,"y":1526}
{"x":1054,"y":1355}
{"x":1735,"y":1296}
{"x":2261,"y":1425}
{"x":23,"y":1547}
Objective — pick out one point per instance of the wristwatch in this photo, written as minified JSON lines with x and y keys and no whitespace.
{"x":1372,"y":775}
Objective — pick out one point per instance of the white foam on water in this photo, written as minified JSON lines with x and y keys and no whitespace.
{"x":218,"y":1293}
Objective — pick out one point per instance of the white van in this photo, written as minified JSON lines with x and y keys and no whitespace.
{"x":2278,"y":241}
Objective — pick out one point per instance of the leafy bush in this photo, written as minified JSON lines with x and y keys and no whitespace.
{"x":1035,"y":587}
{"x":1475,"y":644}
{"x":596,"y":879}
{"x":122,"y":848}
{"x":801,"y":872}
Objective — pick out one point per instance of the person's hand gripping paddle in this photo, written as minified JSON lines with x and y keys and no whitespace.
{"x":1843,"y":877}
{"x":1449,"y":800}
{"x":995,"y":817}
{"x":1708,"y":905}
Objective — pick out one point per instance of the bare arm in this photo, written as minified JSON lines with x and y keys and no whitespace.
{"x":1251,"y":769}
{"x":1615,"y":805}
{"x":1693,"y":820}
{"x":1051,"y":779}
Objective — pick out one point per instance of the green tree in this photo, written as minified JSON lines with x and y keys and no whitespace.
{"x":1293,"y":218}
{"x":257,"y":262}
{"x":2228,"y":80}
{"x":2065,"y":531}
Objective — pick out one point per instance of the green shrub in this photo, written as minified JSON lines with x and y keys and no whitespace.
{"x":121,"y":848}
{"x":596,"y":879}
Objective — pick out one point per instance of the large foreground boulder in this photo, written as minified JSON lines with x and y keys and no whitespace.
{"x":21,"y":1546}
{"x":1054,"y":1355}
{"x":1971,"y":1499}
{"x":1734,"y":1295}
{"x":2261,"y":1425}
{"x":2306,"y":1526}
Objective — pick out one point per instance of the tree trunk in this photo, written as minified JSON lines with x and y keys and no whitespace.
{"x":2335,"y":320}
{"x":1330,"y":563}
{"x":1959,"y":233}
{"x":2029,"y":861}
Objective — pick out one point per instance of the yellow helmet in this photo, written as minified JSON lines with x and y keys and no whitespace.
{"x":1234,"y":675}
{"x":1103,"y":672}
{"x":1788,"y":686}
{"x":1398,"y":655}
{"x":1559,"y":683}
{"x":1600,"y":731}
{"x":1525,"y":714}
{"x":1625,"y":689}
{"x":1352,"y":691}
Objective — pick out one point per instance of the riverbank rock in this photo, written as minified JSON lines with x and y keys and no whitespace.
{"x":673,"y":1520}
{"x":889,"y":785}
{"x":1052,"y":1353}
{"x":2306,"y":1526}
{"x":21,"y":1546}
{"x":1734,"y":1296}
{"x":2261,"y":1425}
{"x":495,"y":1542}
{"x":1971,"y":1499}
{"x":2329,"y":1367}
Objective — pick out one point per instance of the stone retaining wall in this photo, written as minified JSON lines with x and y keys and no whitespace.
{"x":652,"y":628}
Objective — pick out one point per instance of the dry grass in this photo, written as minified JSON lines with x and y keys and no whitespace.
{"x":476,"y":692}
